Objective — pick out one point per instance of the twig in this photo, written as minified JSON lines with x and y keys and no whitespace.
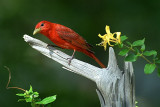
{"x":7,"y":86}
{"x":141,"y":54}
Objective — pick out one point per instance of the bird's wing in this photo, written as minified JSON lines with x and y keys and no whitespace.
{"x":72,"y":37}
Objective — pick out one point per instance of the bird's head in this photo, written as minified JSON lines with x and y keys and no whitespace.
{"x":42,"y":27}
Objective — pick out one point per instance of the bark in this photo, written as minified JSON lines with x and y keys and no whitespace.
{"x":115,"y":88}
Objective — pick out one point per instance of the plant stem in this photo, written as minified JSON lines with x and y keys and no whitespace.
{"x":146,"y":59}
{"x":141,"y":54}
{"x":10,"y":80}
{"x":16,"y":88}
{"x":129,"y":47}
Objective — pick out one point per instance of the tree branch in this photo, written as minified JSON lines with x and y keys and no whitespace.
{"x":115,"y":88}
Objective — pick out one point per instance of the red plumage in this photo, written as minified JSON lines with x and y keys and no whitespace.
{"x":65,"y":38}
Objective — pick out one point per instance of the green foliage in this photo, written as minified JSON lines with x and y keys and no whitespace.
{"x":149,"y":68}
{"x":131,"y":57}
{"x":47,"y":100}
{"x":123,"y":38}
{"x":129,"y":43}
{"x":120,"y":45}
{"x":138,"y":43}
{"x":20,"y":94}
{"x":32,"y":97}
{"x":143,"y":47}
{"x":137,"y":49}
{"x":123,"y":52}
{"x":149,"y":53}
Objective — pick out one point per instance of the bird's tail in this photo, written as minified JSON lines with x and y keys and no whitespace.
{"x":90,"y":54}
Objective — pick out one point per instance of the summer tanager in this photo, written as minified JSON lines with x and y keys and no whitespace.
{"x":65,"y":38}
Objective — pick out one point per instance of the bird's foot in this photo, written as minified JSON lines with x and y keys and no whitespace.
{"x":69,"y":60}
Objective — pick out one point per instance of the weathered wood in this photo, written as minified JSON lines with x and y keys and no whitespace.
{"x":115,"y":88}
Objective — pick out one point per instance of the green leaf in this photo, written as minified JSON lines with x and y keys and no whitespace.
{"x":47,"y":100}
{"x":28,"y":99}
{"x":143,"y":47}
{"x":20,"y":94}
{"x":35,"y":94}
{"x":123,"y":52}
{"x":136,"y":49}
{"x":131,"y":58}
{"x":26,"y":92}
{"x":120,"y":45}
{"x":149,"y":68}
{"x":30,"y":90}
{"x":129,"y":43}
{"x":138,"y":42}
{"x":149,"y":53}
{"x":123,"y":38}
{"x":21,"y":100}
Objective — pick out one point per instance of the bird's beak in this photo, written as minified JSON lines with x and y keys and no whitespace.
{"x":36,"y":31}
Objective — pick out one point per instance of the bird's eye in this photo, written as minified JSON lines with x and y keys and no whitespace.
{"x":42,"y":24}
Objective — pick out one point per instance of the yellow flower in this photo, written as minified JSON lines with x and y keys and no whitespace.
{"x":109,"y":37}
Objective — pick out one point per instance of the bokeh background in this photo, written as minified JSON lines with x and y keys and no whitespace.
{"x":137,"y":19}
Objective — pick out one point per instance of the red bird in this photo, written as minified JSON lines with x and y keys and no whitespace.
{"x":65,"y":38}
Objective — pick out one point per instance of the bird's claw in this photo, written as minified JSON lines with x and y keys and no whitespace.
{"x":48,"y":45}
{"x":69,"y":60}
